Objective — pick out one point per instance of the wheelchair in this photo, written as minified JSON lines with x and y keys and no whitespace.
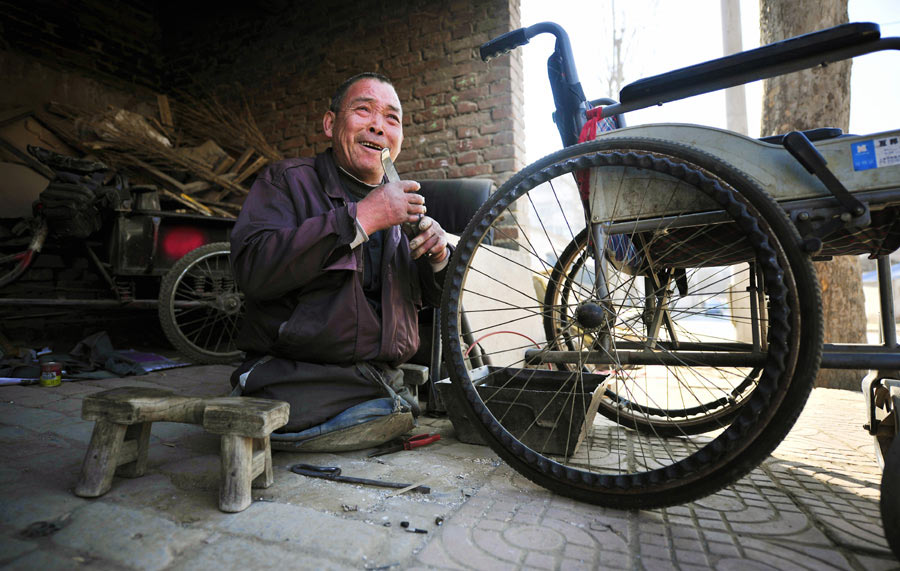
{"x":649,"y":304}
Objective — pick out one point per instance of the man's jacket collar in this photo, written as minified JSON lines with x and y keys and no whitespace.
{"x":331,"y":183}
{"x":329,"y":177}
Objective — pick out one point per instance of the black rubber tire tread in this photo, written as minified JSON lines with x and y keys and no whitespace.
{"x":890,"y":496}
{"x":167,"y":316}
{"x":719,"y":414}
{"x":771,"y":412}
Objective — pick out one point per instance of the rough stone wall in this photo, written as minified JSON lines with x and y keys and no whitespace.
{"x":462,"y":117}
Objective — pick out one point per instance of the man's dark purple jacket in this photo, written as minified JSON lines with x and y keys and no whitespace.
{"x":304,"y":300}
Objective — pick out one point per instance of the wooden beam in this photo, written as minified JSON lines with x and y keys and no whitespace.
{"x":187,"y":201}
{"x":33,"y":163}
{"x":242,"y":160}
{"x":221,"y":205}
{"x":165,"y":112}
{"x":257,"y":164}
{"x":63,"y":130}
{"x":224,"y":164}
{"x":157,"y":173}
{"x":14,"y":115}
{"x":196,"y":186}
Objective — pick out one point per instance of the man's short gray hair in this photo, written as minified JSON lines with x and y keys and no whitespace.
{"x":338,"y":98}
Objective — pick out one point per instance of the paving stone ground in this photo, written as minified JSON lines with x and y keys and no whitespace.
{"x":812,"y":505}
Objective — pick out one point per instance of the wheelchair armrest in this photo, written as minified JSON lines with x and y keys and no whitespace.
{"x":793,"y":54}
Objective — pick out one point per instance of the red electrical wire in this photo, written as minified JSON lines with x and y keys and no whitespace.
{"x":485,"y":336}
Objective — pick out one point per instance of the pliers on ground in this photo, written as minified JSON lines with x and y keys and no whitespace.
{"x":407,"y":444}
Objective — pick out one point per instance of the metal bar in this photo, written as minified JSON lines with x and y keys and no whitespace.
{"x":109,"y":281}
{"x":886,"y":302}
{"x":673,"y":358}
{"x":805,"y":153}
{"x":733,"y":347}
{"x":754,"y":305}
{"x":101,"y":303}
{"x":859,"y":349}
{"x":96,"y":303}
{"x":476,"y":356}
{"x":875,"y":198}
{"x":334,"y":474}
{"x":830,"y":359}
{"x":598,"y":234}
{"x":562,"y":41}
{"x":879,"y":361}
{"x":663,"y":222}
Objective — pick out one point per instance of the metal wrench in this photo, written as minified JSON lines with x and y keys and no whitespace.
{"x":334,"y":473}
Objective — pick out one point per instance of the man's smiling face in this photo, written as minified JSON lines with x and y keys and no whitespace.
{"x":368,"y":120}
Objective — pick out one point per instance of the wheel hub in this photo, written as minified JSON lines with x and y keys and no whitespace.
{"x":230,"y":303}
{"x":591,"y":315}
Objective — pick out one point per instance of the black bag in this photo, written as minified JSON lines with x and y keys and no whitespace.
{"x":70,"y":209}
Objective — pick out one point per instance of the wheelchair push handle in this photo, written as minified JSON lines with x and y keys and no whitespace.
{"x":509,"y":41}
{"x":568,"y":95}
{"x":503,"y":44}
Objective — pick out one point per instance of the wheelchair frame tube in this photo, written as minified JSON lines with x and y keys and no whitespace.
{"x":669,"y":358}
{"x":886,"y":302}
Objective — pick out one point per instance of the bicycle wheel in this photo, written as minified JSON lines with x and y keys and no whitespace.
{"x":656,"y":329}
{"x":200,"y":305}
{"x":729,"y":298}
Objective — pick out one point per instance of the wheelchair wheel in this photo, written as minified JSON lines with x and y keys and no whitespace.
{"x":890,"y":497}
{"x":655,"y":344}
{"x":888,"y":452}
{"x":200,"y":306}
{"x":725,"y":301}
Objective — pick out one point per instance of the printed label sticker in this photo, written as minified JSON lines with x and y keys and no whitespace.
{"x":876,"y":153}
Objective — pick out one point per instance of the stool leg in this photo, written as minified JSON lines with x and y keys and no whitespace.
{"x":141,"y":434}
{"x":101,"y":459}
{"x":266,"y":477}
{"x":237,"y":460}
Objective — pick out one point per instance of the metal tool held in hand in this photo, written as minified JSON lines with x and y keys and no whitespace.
{"x":390,"y":171}
{"x":334,"y":473}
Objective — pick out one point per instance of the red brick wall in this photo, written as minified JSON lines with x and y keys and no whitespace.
{"x":113,"y":41}
{"x":463,"y":117}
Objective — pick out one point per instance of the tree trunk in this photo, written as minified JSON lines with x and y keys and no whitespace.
{"x":818,"y":97}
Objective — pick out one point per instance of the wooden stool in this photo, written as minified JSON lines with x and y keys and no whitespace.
{"x":245,"y":425}
{"x":123,"y":418}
